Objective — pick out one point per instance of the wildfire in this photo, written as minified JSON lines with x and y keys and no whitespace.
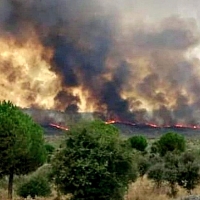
{"x":59,"y":126}
{"x":187,"y":126}
{"x":152,"y":125}
{"x":26,"y":77}
{"x":119,"y":121}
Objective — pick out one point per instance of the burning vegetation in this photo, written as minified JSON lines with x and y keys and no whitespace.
{"x":97,"y":56}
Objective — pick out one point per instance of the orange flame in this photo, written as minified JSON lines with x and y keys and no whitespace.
{"x":154,"y":125}
{"x":119,"y":121}
{"x":59,"y":127}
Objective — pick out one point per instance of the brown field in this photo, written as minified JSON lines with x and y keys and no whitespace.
{"x":142,"y":189}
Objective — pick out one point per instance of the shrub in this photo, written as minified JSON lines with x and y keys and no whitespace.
{"x":188,"y":176}
{"x":35,"y":186}
{"x":50,"y":150}
{"x":155,"y":147}
{"x":156,"y":173}
{"x":171,"y":142}
{"x":143,"y":166}
{"x":171,"y":170}
{"x":138,"y":142}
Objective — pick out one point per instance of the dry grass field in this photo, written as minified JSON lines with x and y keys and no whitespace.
{"x":142,"y":189}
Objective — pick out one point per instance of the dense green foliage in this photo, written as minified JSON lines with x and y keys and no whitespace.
{"x":176,"y":169}
{"x":35,"y":186}
{"x":50,"y":150}
{"x":22,"y":145}
{"x":170,"y":142}
{"x":188,"y":176}
{"x":143,"y":165}
{"x":171,"y":172}
{"x":138,"y":142}
{"x":94,"y":164}
{"x":156,"y":173}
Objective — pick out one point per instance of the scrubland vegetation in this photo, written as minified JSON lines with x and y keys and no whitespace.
{"x":92,"y":161}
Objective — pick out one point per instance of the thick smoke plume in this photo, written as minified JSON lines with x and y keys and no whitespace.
{"x":99,"y":56}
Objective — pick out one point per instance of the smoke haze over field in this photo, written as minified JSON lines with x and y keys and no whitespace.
{"x":134,"y":60}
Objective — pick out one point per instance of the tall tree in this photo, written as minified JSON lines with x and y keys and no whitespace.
{"x":22,"y":145}
{"x":138,"y":142}
{"x":171,"y":142}
{"x":189,"y":176}
{"x":94,"y":163}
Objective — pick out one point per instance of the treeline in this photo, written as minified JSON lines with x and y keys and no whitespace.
{"x":92,"y":162}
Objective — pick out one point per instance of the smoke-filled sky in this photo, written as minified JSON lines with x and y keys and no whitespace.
{"x":135,"y":60}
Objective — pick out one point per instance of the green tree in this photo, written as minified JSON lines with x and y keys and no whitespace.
{"x":171,"y":170}
{"x":50,"y":150}
{"x":94,"y":163}
{"x":138,"y":142}
{"x":22,"y":145}
{"x":156,"y":173}
{"x":188,"y":176}
{"x":170,"y":142}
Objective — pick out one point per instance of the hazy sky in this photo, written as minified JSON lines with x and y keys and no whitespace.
{"x":159,"y":9}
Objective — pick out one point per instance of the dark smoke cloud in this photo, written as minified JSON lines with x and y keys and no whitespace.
{"x":5,"y":10}
{"x":63,"y":98}
{"x":97,"y":50}
{"x":110,"y":93}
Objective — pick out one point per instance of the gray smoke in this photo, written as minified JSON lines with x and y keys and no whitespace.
{"x":135,"y":69}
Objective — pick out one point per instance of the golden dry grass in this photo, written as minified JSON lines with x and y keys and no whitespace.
{"x":142,"y":189}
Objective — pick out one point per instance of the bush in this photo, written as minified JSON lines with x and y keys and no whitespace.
{"x":94,"y":164}
{"x":188,"y":176}
{"x":50,"y":150}
{"x":138,"y":142}
{"x":171,"y":142}
{"x":35,"y":186}
{"x":171,"y":170}
{"x":143,"y":166}
{"x":156,"y":173}
{"x":155,"y":147}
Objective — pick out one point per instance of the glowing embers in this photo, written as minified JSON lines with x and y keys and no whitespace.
{"x":152,"y":125}
{"x":59,"y":126}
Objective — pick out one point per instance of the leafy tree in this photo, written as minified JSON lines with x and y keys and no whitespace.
{"x":165,"y":169}
{"x":93,"y":164}
{"x":170,"y":142}
{"x":171,"y":170}
{"x":22,"y":145}
{"x":182,"y":169}
{"x":156,"y":173}
{"x":188,"y":176}
{"x":138,"y":142}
